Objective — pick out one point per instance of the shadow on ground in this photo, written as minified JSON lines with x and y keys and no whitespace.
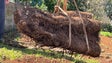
{"x":10,"y":44}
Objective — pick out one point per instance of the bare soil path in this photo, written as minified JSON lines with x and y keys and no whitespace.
{"x":106,"y":46}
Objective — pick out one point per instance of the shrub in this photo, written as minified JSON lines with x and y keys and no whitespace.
{"x":106,"y":27}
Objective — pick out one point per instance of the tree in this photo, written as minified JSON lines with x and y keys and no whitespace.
{"x":97,"y":8}
{"x":81,"y":4}
{"x":34,"y":3}
{"x":108,"y":9}
{"x":49,"y":4}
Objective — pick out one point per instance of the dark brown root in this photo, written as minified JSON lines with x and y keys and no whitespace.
{"x":51,"y":30}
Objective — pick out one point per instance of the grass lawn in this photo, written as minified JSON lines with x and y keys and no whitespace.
{"x":8,"y":52}
{"x":108,"y":34}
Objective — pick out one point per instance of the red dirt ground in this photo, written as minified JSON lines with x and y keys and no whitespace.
{"x":106,"y":46}
{"x":33,"y":59}
{"x":106,"y":55}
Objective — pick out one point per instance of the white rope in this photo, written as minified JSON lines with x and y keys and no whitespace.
{"x":84,"y":28}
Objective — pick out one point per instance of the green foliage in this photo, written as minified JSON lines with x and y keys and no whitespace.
{"x":108,"y":34}
{"x":96,"y":7}
{"x":106,"y":27}
{"x":39,"y":4}
{"x":50,"y":4}
{"x":34,"y":3}
{"x":81,"y":5}
{"x":108,"y":8}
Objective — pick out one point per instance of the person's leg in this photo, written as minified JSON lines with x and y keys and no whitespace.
{"x":2,"y":17}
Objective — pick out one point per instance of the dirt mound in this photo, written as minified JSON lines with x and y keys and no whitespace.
{"x":51,"y":30}
{"x":33,"y":59}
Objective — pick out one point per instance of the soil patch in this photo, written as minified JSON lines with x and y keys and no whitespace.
{"x":106,"y":46}
{"x":33,"y":59}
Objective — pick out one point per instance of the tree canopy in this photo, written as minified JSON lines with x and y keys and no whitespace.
{"x":108,"y":9}
{"x":100,"y":8}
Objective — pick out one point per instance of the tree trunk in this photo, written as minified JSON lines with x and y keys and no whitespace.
{"x":51,"y":30}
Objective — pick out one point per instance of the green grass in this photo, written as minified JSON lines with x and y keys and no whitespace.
{"x":91,"y":61}
{"x":108,"y":34}
{"x":14,"y":53}
{"x":9,"y":53}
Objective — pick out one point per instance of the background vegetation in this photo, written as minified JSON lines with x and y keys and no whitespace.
{"x":101,"y":9}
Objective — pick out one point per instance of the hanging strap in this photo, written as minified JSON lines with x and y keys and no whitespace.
{"x":56,"y":10}
{"x":57,"y":7}
{"x":84,"y":28}
{"x":70,"y":38}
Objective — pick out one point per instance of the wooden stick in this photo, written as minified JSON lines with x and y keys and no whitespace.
{"x":65,"y":5}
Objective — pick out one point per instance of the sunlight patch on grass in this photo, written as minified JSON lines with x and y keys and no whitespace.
{"x":108,"y":34}
{"x":9,"y":54}
{"x":91,"y":61}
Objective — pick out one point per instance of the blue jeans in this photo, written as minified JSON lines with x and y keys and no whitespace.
{"x":2,"y":17}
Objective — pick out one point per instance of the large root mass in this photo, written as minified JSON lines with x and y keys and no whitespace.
{"x":51,"y":30}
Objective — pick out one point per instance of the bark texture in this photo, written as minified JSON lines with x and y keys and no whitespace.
{"x":51,"y":30}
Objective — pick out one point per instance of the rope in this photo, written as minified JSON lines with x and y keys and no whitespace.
{"x":84,"y":28}
{"x":57,"y":6}
{"x":70,"y":27}
{"x":56,"y":10}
